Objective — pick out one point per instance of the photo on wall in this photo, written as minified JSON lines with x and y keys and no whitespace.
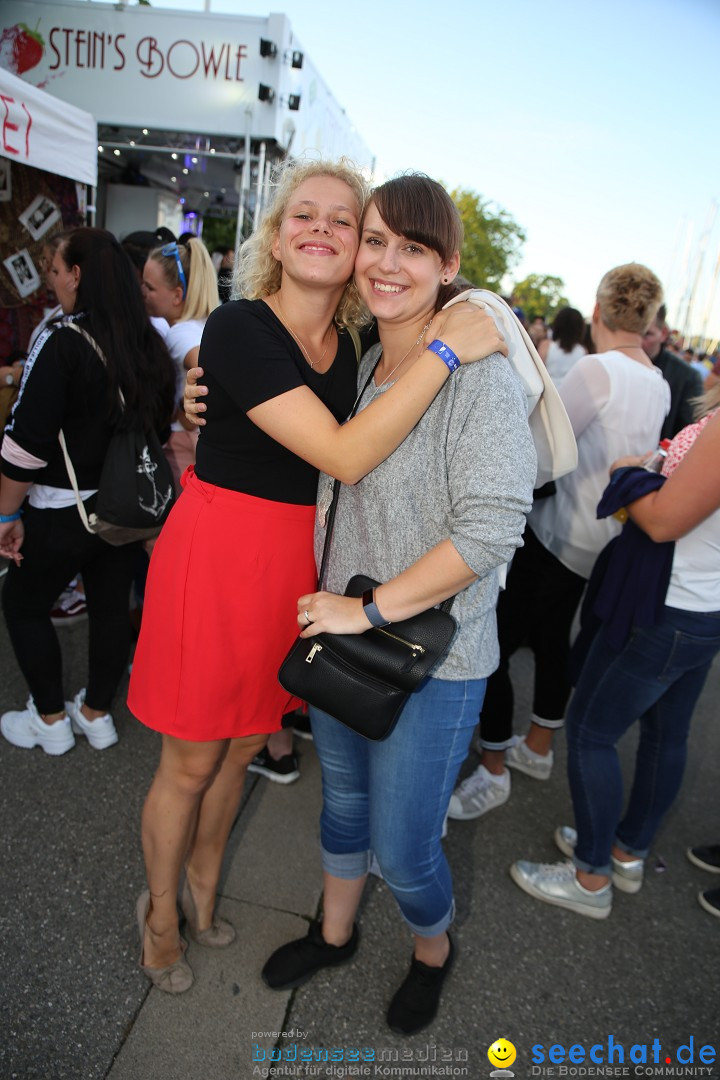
{"x":23,"y":272}
{"x":39,"y":216}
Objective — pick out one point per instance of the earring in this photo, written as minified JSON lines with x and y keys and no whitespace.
{"x":445,"y":281}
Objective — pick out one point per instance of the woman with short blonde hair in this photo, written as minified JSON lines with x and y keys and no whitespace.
{"x":616,"y":400}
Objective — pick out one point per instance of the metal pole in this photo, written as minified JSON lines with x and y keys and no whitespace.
{"x":260,"y":181}
{"x":241,"y":206}
{"x":684,"y":275}
{"x":712,"y":213}
{"x":710,"y":301}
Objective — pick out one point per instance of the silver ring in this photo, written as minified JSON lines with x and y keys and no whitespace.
{"x":307,"y":616}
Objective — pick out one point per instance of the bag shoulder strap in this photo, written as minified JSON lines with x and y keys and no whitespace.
{"x":446,"y":604}
{"x":61,"y":434}
{"x":336,"y":483}
{"x":94,"y":345}
{"x":73,"y":481}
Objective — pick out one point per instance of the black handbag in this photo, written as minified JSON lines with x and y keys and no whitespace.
{"x":364,"y":680}
{"x":136,"y":491}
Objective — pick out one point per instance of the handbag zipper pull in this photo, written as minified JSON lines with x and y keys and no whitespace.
{"x":317,"y":647}
{"x":414,"y":655}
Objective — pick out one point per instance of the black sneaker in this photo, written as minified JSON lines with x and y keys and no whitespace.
{"x":710,"y":900}
{"x":299,"y":721}
{"x":282,"y":771}
{"x":707,"y":858}
{"x":293,"y":964}
{"x":415,"y":1004}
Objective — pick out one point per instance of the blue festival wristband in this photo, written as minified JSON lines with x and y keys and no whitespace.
{"x":5,"y":518}
{"x":445,"y":353}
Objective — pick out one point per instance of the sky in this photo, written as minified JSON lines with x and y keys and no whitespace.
{"x":592,"y":122}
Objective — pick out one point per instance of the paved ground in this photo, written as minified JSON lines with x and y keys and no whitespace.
{"x":73,"y":1005}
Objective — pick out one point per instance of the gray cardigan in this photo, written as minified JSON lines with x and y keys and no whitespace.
{"x":466,"y":473}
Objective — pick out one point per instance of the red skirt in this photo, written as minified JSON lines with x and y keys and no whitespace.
{"x":220,"y":614}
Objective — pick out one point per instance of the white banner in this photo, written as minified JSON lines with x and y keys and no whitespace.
{"x":197,"y":72}
{"x":40,"y":130}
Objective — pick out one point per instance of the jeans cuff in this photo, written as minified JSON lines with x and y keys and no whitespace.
{"x":348,"y":865}
{"x":552,"y":725}
{"x":591,"y":868}
{"x":437,"y":928}
{"x":637,"y":853}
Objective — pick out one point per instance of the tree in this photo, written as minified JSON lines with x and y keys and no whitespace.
{"x":540,"y":294}
{"x":492,"y":239}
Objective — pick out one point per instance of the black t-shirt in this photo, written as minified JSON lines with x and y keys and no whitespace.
{"x":249,"y":357}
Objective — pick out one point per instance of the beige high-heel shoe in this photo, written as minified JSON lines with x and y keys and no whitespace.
{"x":177,"y":977}
{"x":218,"y":935}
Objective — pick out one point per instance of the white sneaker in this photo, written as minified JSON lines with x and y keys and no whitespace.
{"x":557,"y":883}
{"x":626,"y":876}
{"x":28,"y":729}
{"x":478,"y":793}
{"x":520,"y":757}
{"x":99,"y":733}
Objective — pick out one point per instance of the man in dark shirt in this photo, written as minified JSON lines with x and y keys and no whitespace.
{"x":685,"y":383}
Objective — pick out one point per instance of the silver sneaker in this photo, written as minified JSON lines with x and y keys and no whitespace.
{"x":26,"y":728}
{"x":99,"y":733}
{"x":478,"y":793}
{"x":557,"y":883}
{"x":626,"y":876}
{"x":524,"y":760}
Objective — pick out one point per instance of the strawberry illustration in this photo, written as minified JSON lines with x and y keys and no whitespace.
{"x":20,"y":48}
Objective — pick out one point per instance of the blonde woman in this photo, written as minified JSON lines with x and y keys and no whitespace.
{"x":180,"y":285}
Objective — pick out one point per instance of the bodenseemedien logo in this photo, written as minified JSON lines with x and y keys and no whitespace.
{"x":502,"y":1054}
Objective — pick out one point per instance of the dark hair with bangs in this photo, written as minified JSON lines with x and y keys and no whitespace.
{"x":419,"y":208}
{"x":111,"y":302}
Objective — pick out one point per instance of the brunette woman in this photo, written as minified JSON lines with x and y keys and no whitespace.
{"x":66,"y":387}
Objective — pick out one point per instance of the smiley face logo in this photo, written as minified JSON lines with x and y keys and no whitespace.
{"x":502,"y":1053}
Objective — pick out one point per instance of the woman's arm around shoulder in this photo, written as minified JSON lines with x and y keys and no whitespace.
{"x":689,"y":495}
{"x":491,"y":468}
{"x":300,"y":422}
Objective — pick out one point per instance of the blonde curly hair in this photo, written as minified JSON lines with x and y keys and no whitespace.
{"x":258,"y":273}
{"x":629,"y":297}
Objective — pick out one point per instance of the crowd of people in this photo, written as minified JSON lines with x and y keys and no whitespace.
{"x":342,"y":307}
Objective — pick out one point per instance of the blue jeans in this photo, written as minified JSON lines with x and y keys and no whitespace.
{"x":390,"y":798}
{"x":657,"y":679}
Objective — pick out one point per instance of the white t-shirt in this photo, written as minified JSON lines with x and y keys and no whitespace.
{"x":558,"y":362}
{"x":616,"y":407}
{"x":695,"y":579}
{"x":160,"y":325}
{"x":180,"y":338}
